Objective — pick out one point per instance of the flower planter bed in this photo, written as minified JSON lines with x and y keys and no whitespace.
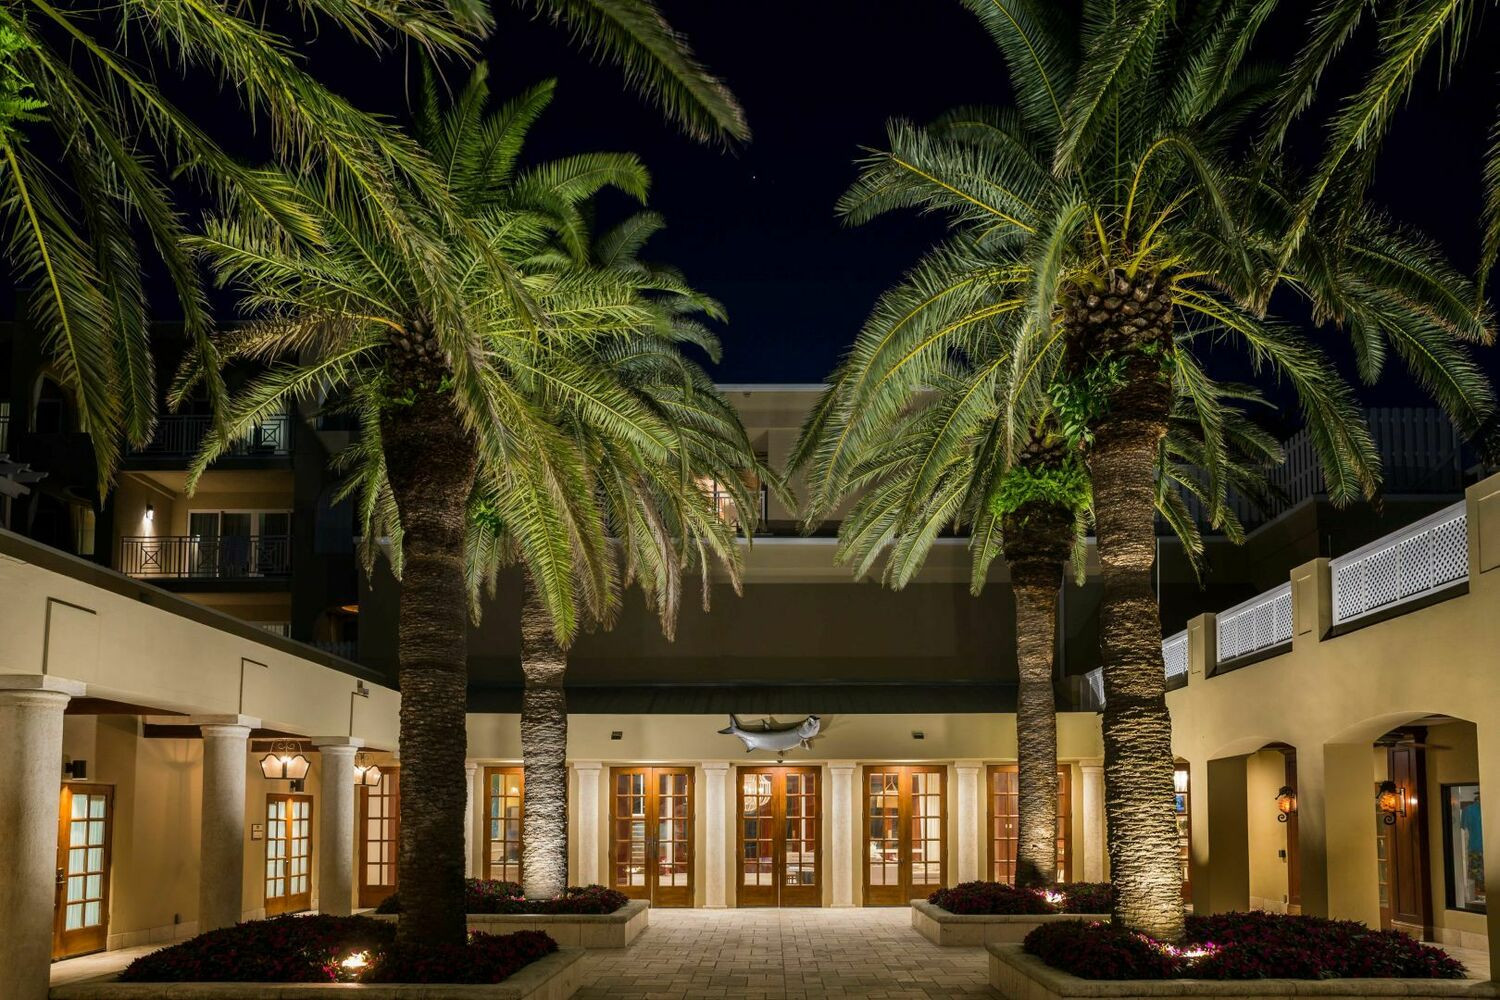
{"x":587,"y":917}
{"x":974,"y":914}
{"x":308,"y":956}
{"x":1019,"y":976}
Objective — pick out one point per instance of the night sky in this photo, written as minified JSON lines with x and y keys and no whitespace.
{"x":755,"y":226}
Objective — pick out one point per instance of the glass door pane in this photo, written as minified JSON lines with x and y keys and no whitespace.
{"x":757,"y":839}
{"x":288,"y":877}
{"x":905,"y":816}
{"x":1004,"y":823}
{"x":203,"y":529}
{"x":674,"y":838}
{"x":628,"y":833}
{"x":506,"y":799}
{"x":801,"y":882}
{"x":926,"y":871}
{"x":380,"y":811}
{"x":651,"y":834}
{"x":235,"y":535}
{"x":883,"y":788}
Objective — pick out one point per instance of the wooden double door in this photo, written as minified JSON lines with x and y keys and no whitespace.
{"x":780,"y":834}
{"x":288,"y":878}
{"x":85,"y":823}
{"x":651,"y":834}
{"x":906,"y":817}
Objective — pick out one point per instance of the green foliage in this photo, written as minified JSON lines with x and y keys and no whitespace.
{"x":16,"y":104}
{"x":1082,"y":401}
{"x":1066,"y":486}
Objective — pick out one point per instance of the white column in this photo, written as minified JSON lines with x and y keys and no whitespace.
{"x":969,"y":788}
{"x":336,"y":827}
{"x":471,"y":864}
{"x":221,"y":854}
{"x":588,"y":821}
{"x":715,"y":856}
{"x":31,"y":731}
{"x":842,"y":838}
{"x":1093,"y":822}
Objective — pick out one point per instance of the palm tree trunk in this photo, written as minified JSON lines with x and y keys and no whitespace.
{"x":1138,"y":763}
{"x":1035,"y":586}
{"x":544,"y":753}
{"x":430,"y":462}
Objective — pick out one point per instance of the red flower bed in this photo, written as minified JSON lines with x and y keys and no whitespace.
{"x":494,"y":896}
{"x":313,"y":949}
{"x":1252,"y":945}
{"x":1000,"y":898}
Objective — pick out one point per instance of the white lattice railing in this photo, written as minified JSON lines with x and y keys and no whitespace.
{"x":1259,"y":623}
{"x":1174,"y":653}
{"x":1095,"y":680}
{"x":1418,"y":560}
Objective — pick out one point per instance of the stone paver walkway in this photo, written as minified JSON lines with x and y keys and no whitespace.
{"x":790,"y":954}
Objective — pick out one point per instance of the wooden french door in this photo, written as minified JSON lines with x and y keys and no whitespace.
{"x":288,"y":854}
{"x":85,"y":822}
{"x":780,"y":837}
{"x":906,"y":815}
{"x":1402,"y":848}
{"x":380,"y":832}
{"x":1005,"y":823}
{"x":505,"y":798}
{"x":651,"y":834}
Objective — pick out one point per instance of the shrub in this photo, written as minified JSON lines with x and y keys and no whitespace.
{"x":1000,"y":898}
{"x":493,"y":896}
{"x":487,"y":958}
{"x":1251,"y":945}
{"x":311,"y":949}
{"x":280,"y":950}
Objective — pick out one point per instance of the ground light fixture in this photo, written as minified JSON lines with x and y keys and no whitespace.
{"x":1286,"y":803}
{"x":365,"y":773}
{"x":1390,"y":801}
{"x":285,"y":762}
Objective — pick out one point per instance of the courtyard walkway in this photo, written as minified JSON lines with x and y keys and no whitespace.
{"x":796,"y":954}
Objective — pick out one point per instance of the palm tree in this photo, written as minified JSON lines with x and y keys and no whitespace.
{"x":1100,"y":224}
{"x":662,"y":517}
{"x":66,"y":73}
{"x":455,"y":366}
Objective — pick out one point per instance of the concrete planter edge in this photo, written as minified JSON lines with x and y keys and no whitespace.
{"x":974,"y":930}
{"x":569,"y":930}
{"x":1020,"y":976}
{"x":555,"y":977}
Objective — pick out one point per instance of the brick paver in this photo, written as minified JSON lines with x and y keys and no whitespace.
{"x":791,"y":954}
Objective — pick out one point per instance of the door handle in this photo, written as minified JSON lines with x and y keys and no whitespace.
{"x":62,"y":875}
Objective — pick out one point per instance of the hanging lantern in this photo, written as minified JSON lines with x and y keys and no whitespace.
{"x":365,"y":773}
{"x":1286,"y":803}
{"x":1390,"y":801}
{"x":285,"y":762}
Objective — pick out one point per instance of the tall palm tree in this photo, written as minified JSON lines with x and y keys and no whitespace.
{"x":79,"y":234}
{"x":457,"y":365}
{"x":1110,"y":225}
{"x":662,"y":518}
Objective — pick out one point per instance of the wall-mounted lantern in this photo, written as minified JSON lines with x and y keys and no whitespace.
{"x":1286,"y":803}
{"x":150,"y":513}
{"x":365,"y":773}
{"x":1390,"y":802}
{"x":285,"y":762}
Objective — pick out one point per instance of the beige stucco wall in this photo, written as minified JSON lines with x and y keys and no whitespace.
{"x":1330,"y":697}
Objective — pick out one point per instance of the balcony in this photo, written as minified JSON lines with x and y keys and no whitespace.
{"x":207,"y":558}
{"x":179,"y":436}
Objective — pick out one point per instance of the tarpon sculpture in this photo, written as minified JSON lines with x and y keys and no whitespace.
{"x":767,"y":734}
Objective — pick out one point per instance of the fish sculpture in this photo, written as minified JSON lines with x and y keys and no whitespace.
{"x":767,"y":734}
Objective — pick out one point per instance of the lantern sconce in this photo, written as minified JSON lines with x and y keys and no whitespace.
{"x":285,"y":762}
{"x":365,"y":774}
{"x":150,"y":515}
{"x":1180,"y":780}
{"x":1390,"y":802}
{"x":1286,"y":803}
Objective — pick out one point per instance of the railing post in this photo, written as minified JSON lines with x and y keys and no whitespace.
{"x":1203,"y":647}
{"x":1312,"y":603}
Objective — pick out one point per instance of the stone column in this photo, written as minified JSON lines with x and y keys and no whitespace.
{"x":715,"y":854}
{"x":588,"y":821}
{"x":970,"y":825}
{"x":221,"y":854}
{"x":471,"y":821}
{"x":31,"y":732}
{"x":336,"y":827}
{"x":841,"y":833}
{"x":1093,"y":822}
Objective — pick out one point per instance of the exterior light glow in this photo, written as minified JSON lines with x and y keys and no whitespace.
{"x":1286,"y":803}
{"x":1051,"y":896}
{"x":285,"y":762}
{"x":365,"y":773}
{"x":1180,"y":780}
{"x":351,"y":967}
{"x":150,"y":513}
{"x":1390,"y":802}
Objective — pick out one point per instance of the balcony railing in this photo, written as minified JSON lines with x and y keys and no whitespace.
{"x":180,"y":435}
{"x":1260,"y":623}
{"x":1421,"y":559}
{"x":186,"y":557}
{"x":1174,"y":653}
{"x":346,"y":648}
